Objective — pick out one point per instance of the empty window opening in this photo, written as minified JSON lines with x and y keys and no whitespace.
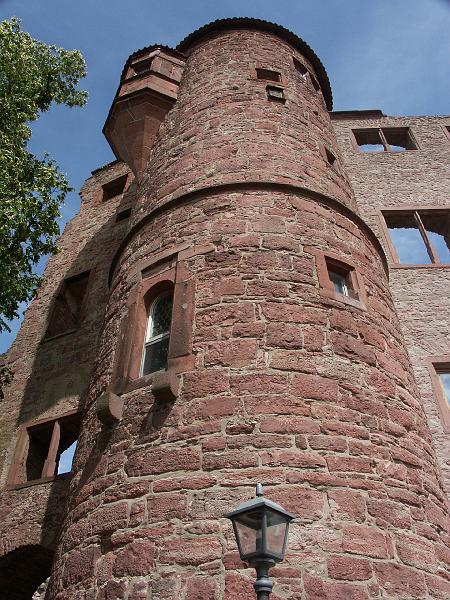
{"x":444,"y":378}
{"x":420,"y":237}
{"x":156,"y":346}
{"x":47,"y":449}
{"x":341,"y":279}
{"x":268,"y":75}
{"x":275,"y":93}
{"x":114,"y":188}
{"x":385,"y":139}
{"x":315,"y":82}
{"x":67,"y":305}
{"x":331,"y":159}
{"x":142,"y":66}
{"x":123,"y":214}
{"x":301,"y":69}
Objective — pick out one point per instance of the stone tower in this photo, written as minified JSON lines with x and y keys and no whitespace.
{"x":230,"y":322}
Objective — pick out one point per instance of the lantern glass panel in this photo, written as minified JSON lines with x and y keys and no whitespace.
{"x":276,"y":532}
{"x":249,"y":532}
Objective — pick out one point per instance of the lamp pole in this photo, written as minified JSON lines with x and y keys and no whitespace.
{"x":263,"y":586}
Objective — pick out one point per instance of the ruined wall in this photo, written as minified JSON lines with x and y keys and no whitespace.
{"x":311,"y":395}
{"x":51,"y":375}
{"x":417,"y":178}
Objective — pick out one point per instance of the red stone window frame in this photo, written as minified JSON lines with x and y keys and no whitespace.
{"x":437,"y":365}
{"x":155,"y":278}
{"x":18,"y":471}
{"x":330,"y":261}
{"x":383,"y":133}
{"x":415,"y":211}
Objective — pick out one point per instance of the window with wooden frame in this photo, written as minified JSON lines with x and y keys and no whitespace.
{"x":439,"y":368}
{"x":339,"y":280}
{"x":156,"y":333}
{"x":45,"y":449}
{"x":67,"y":309}
{"x":418,"y":237}
{"x":385,"y":139}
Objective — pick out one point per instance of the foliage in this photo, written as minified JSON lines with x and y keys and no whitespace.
{"x":32,"y":189}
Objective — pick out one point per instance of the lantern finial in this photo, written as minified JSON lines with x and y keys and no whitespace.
{"x":259,"y":490}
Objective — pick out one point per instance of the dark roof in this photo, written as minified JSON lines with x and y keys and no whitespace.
{"x":282,"y":32}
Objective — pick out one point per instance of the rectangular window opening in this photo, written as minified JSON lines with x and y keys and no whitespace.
{"x":65,"y":313}
{"x":341,"y":279}
{"x":142,"y":66}
{"x":123,"y":214}
{"x":331,"y":159}
{"x":268,"y":75}
{"x":419,"y":237}
{"x":49,"y":449}
{"x":114,"y":188}
{"x":301,"y":69}
{"x":385,"y":139}
{"x":275,"y":93}
{"x":315,"y":83}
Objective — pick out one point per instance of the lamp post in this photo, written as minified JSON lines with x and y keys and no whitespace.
{"x":261,"y":529}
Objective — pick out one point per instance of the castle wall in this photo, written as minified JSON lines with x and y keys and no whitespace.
{"x":418,"y":179}
{"x":280,"y":380}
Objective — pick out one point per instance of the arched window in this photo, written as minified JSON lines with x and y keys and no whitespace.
{"x":156,"y":345}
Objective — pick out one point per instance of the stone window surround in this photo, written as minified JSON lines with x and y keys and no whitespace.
{"x":326,"y":288}
{"x":407,"y":208}
{"x":263,"y":67}
{"x":21,"y":452}
{"x":154,"y":277}
{"x":434,"y":365}
{"x":379,"y":129}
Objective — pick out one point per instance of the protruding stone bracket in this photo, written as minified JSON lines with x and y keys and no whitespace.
{"x":165,"y":386}
{"x":109,"y":408}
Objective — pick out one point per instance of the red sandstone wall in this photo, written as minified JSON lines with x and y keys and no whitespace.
{"x":312,"y":397}
{"x":421,"y":295}
{"x":51,"y":377}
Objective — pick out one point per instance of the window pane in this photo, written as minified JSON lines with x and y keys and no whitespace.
{"x":276,"y":533}
{"x":161,"y":315}
{"x":369,"y":140}
{"x":445,"y":380}
{"x":339,"y":282}
{"x":399,"y":140}
{"x":155,"y":356}
{"x":437,"y":226}
{"x":407,"y":239}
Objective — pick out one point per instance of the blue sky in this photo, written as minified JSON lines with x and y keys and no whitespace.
{"x":387,"y":54}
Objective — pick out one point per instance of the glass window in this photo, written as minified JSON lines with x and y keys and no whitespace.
{"x":157,"y":336}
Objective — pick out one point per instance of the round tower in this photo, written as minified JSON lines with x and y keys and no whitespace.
{"x":249,"y":337}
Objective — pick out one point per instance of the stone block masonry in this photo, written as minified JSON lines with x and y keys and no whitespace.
{"x":280,"y":379}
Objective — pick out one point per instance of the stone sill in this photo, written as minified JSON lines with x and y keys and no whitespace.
{"x":41,"y":481}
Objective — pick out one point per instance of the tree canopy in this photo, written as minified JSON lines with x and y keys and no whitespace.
{"x":32,"y":189}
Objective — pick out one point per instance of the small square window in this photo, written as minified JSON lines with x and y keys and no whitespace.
{"x":340,"y":278}
{"x":418,"y":237}
{"x":123,"y":214}
{"x":332,"y":160}
{"x":275,"y":93}
{"x":142,"y":66}
{"x":67,"y":306}
{"x":114,"y":188}
{"x":385,"y":139}
{"x":268,"y":75}
{"x":46,"y":449}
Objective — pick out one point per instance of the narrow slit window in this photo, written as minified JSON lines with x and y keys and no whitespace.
{"x":67,"y":306}
{"x":444,"y":378}
{"x":331,"y":159}
{"x":440,"y":378}
{"x":114,"y":188}
{"x":419,"y":237}
{"x":156,"y":346}
{"x":123,"y":215}
{"x":385,"y":139}
{"x":301,"y":69}
{"x":268,"y":75}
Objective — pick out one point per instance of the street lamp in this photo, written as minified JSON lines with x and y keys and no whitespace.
{"x":261,"y":529}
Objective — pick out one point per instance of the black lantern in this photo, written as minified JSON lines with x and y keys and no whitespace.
{"x":261,"y":529}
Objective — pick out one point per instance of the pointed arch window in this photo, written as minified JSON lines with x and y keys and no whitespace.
{"x":156,"y":344}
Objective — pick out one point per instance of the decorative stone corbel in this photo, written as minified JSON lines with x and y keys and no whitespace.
{"x":165,"y":386}
{"x":109,"y":408}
